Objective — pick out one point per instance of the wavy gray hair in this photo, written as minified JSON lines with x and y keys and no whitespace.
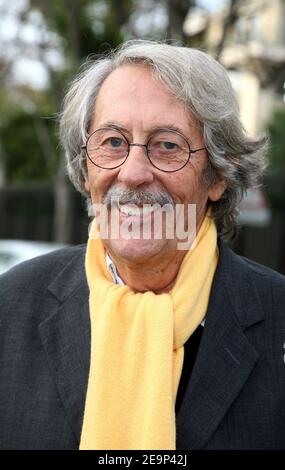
{"x":202,"y":84}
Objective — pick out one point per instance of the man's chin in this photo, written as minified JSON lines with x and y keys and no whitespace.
{"x":138,"y":250}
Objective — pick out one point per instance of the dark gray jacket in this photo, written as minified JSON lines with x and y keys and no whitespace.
{"x":236,"y":395}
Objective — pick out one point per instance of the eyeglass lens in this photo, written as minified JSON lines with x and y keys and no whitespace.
{"x":167,"y":150}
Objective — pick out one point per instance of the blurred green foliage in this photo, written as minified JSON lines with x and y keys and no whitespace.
{"x":85,"y":26}
{"x":276,"y":129}
{"x":29,"y":148}
{"x":21,"y":140}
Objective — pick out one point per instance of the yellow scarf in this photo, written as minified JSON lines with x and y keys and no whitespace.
{"x":137,"y":349}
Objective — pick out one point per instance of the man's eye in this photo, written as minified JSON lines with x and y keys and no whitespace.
{"x":169,"y":145}
{"x":114,"y":142}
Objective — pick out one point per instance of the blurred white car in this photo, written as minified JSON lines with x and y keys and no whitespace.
{"x":13,"y":252}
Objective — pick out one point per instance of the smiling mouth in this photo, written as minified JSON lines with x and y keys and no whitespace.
{"x":130,"y":210}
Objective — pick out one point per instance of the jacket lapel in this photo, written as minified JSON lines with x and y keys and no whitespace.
{"x":225,"y":358}
{"x":65,"y":335}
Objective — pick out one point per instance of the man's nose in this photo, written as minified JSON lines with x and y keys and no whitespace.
{"x":137,"y":169}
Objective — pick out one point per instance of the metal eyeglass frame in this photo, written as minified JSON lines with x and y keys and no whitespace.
{"x":84,"y":147}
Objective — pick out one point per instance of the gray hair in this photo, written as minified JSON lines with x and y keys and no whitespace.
{"x":202,"y":84}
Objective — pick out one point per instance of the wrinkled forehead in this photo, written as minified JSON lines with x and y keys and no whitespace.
{"x":132,"y":93}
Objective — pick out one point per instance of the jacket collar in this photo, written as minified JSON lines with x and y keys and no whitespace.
{"x":65,"y":335}
{"x":224,"y":361}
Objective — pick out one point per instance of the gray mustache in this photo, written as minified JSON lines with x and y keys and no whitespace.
{"x":137,"y":197}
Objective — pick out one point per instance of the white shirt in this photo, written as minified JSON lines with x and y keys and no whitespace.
{"x":113,"y":270}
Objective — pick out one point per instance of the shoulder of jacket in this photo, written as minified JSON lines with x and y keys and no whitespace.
{"x":247,"y":277}
{"x":263,"y":274}
{"x":41,"y":269}
{"x":246,"y":266}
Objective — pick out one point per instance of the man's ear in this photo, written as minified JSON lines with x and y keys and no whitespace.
{"x":217,"y":189}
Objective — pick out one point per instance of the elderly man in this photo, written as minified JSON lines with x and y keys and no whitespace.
{"x":143,"y":342}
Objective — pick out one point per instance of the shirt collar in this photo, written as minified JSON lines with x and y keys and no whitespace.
{"x":113,"y":270}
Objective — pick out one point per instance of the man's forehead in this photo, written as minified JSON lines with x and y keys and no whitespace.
{"x":160,"y":124}
{"x":132,"y":79}
{"x":117,"y":88}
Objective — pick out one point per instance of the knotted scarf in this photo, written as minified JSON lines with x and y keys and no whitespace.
{"x":137,"y":349}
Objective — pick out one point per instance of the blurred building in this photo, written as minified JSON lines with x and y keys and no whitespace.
{"x":253,"y":51}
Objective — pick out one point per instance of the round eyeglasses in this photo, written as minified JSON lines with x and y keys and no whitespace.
{"x":167,"y":150}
